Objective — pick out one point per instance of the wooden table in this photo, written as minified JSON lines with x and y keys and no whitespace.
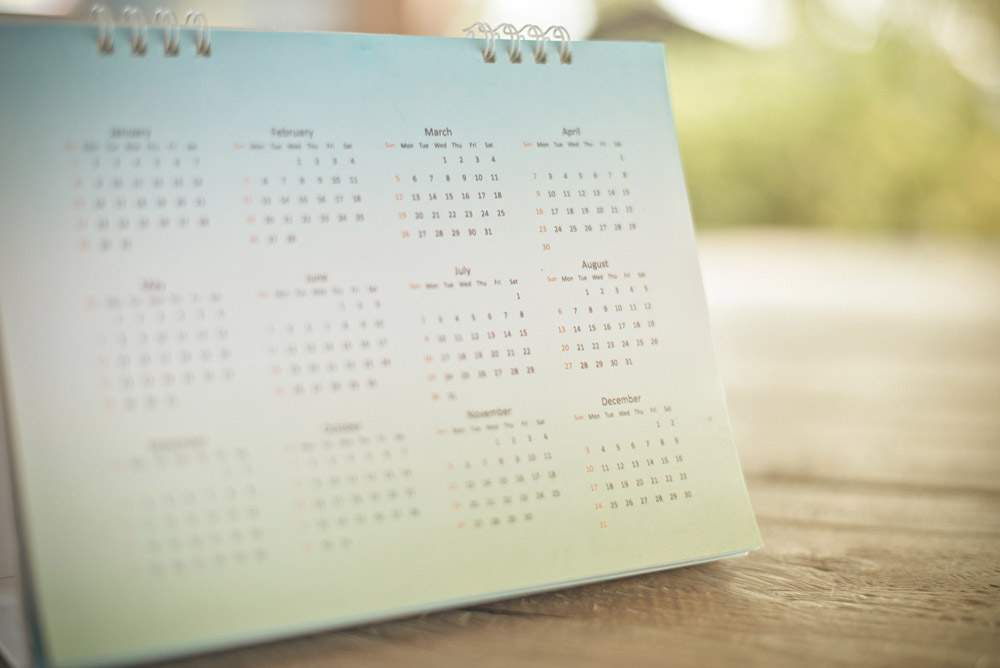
{"x":864,"y":388}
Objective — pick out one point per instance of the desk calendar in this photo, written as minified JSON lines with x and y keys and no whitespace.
{"x":301,"y":331}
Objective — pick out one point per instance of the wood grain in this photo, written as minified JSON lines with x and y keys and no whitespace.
{"x":864,"y":388}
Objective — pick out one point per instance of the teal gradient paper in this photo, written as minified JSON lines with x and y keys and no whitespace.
{"x":323,"y":329}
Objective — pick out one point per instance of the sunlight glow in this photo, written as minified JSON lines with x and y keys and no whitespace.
{"x":41,"y":7}
{"x":578,"y":17}
{"x":972,"y":43}
{"x":752,"y":23}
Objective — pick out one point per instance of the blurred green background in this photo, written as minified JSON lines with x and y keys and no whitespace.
{"x":886,"y":122}
{"x":865,"y":116}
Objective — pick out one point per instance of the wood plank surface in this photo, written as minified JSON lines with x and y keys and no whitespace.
{"x":863,"y":379}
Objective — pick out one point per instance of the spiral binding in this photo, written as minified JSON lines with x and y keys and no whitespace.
{"x":137,"y":21}
{"x":105,"y":29}
{"x":537,"y":34}
{"x":171,"y":31}
{"x":515,"y":35}
{"x":164,"y":20}
{"x":489,"y":51}
{"x":202,"y":35}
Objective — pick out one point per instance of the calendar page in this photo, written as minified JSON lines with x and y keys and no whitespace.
{"x":319,"y":329}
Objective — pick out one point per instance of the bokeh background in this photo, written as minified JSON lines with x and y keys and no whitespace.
{"x":878,"y":117}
